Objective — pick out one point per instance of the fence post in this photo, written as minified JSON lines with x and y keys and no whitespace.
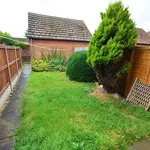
{"x":148,"y":74}
{"x":8,"y":67}
{"x":20,"y":49}
{"x":31,"y":49}
{"x":129,"y":73}
{"x":16,"y":60}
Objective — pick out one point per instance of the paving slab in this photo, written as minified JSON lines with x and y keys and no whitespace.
{"x":141,"y":145}
{"x":10,"y":116}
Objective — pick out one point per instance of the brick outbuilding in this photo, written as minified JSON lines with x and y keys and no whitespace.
{"x":49,"y":32}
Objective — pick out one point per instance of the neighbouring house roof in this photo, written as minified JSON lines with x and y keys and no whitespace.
{"x":50,"y":27}
{"x":149,"y":33}
{"x":21,"y":39}
{"x":143,"y":37}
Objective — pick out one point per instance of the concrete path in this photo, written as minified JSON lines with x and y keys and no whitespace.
{"x":9,"y":117}
{"x":141,"y":145}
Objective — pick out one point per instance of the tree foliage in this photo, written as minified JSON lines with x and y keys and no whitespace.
{"x":115,"y":33}
{"x":6,"y":38}
{"x":115,"y":36}
{"x":26,"y":33}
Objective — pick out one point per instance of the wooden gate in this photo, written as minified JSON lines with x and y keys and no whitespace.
{"x":26,"y":54}
{"x":140,"y":67}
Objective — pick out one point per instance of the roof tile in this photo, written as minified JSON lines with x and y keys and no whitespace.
{"x":143,"y":37}
{"x":49,"y":27}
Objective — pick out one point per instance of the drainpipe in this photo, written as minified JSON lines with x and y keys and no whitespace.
{"x":31,"y":48}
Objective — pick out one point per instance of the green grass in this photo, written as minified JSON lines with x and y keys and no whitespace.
{"x":59,"y":114}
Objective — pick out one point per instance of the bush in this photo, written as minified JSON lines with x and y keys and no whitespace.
{"x":77,"y":69}
{"x":39,"y":65}
{"x":57,"y":62}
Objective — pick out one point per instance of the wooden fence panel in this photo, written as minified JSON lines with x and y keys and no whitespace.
{"x":2,"y":58}
{"x":4,"y":80}
{"x":18,"y":51}
{"x":10,"y":63}
{"x":13,"y":70}
{"x":19,"y":63}
{"x":140,"y":67}
{"x":11,"y":55}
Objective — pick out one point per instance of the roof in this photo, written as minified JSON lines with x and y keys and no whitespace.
{"x":143,"y":37}
{"x":50,"y":27}
{"x":149,"y":33}
{"x":21,"y":39}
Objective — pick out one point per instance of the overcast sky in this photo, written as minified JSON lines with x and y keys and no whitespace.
{"x":14,"y":19}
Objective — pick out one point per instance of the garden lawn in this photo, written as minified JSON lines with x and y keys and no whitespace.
{"x":58,"y":114}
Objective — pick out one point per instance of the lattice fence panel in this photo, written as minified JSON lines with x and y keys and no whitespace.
{"x":139,"y":94}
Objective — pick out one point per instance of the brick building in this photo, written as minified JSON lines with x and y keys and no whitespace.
{"x":49,"y":32}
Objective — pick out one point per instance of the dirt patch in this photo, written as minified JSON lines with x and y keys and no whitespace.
{"x":99,"y":93}
{"x":113,"y":134}
{"x":131,"y":116}
{"x":80,"y":116}
{"x":79,"y":120}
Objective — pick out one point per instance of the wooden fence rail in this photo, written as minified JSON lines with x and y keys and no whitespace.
{"x":10,"y":70}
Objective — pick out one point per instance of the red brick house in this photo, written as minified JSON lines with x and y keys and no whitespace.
{"x":57,"y":33}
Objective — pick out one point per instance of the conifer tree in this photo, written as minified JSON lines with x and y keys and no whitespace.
{"x":115,"y":36}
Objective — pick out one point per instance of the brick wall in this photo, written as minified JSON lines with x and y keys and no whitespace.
{"x":66,"y":46}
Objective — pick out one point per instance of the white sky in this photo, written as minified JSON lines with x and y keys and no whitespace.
{"x":14,"y":19}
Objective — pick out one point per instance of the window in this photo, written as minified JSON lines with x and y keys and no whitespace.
{"x":76,"y":49}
